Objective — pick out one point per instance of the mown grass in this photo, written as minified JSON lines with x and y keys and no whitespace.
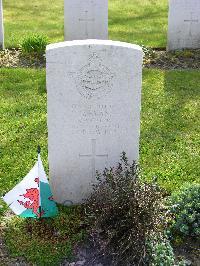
{"x":169,"y":125}
{"x":170,"y":131}
{"x":139,"y":21}
{"x":169,"y":147}
{"x":23,"y":123}
{"x":135,"y":21}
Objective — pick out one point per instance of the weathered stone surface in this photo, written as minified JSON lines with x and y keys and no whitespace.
{"x":1,"y":26}
{"x":184,"y":24}
{"x":86,"y":19}
{"x":94,"y":95}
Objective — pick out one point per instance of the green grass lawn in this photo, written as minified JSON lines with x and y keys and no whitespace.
{"x":169,"y":146}
{"x":169,"y":127}
{"x":169,"y":150}
{"x":170,"y":132}
{"x":135,"y":21}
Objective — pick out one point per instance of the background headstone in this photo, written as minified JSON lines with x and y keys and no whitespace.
{"x":1,"y":26}
{"x":94,"y":97}
{"x":184,"y":24}
{"x":86,"y":19}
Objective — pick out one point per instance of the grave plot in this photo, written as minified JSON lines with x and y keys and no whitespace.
{"x":85,"y":107}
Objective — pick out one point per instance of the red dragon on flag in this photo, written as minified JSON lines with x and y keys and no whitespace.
{"x":32,"y":197}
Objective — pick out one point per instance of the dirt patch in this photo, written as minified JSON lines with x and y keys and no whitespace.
{"x":190,"y":251}
{"x":186,"y":59}
{"x":88,"y":254}
{"x":14,"y":58}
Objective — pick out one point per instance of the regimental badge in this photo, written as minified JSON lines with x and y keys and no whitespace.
{"x":94,"y":80}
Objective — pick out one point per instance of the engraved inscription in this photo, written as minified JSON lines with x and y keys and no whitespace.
{"x":95,"y":120}
{"x":100,"y":113}
{"x":94,"y":80}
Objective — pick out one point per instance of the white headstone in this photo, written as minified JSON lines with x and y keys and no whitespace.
{"x":86,"y":19}
{"x":94,"y":96}
{"x":184,"y":24}
{"x":1,"y":26}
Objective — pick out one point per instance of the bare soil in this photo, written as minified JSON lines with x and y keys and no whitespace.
{"x":189,"y":250}
{"x":186,"y":59}
{"x":154,"y":58}
{"x":13,"y":58}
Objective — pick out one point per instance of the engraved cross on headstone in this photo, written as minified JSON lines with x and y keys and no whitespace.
{"x":93,"y":156}
{"x":86,"y":20}
{"x":191,"y":21}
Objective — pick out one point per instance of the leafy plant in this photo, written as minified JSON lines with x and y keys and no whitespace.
{"x":124,"y":211}
{"x":149,"y":53}
{"x":34,"y":44}
{"x":161,"y":252}
{"x":185,"y":206}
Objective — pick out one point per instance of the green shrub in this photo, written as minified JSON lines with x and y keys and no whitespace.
{"x":185,"y":206}
{"x":124,"y":212}
{"x":160,"y":252}
{"x":34,"y":44}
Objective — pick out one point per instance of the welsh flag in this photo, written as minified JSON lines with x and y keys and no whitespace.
{"x":32,"y":197}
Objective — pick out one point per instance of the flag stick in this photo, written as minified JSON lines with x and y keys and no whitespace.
{"x":40,"y":207}
{"x":38,"y":149}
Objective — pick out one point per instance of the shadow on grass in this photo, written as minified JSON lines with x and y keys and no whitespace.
{"x":146,"y":26}
{"x":183,"y":88}
{"x":170,"y":140}
{"x":180,"y":125}
{"x":20,"y":80}
{"x":115,"y":19}
{"x":170,"y":143}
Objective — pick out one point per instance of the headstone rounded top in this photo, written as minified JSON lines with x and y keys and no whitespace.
{"x":93,"y":42}
{"x":94,"y":102}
